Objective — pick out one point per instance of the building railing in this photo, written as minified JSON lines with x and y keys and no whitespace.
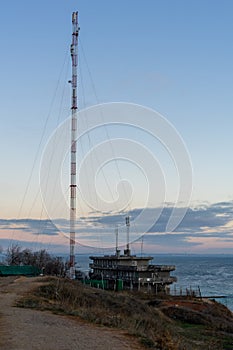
{"x":150,"y":268}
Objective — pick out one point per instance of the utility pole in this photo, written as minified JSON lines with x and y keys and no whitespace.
{"x":74,"y":107}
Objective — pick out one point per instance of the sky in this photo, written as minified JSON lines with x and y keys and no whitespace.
{"x":172,"y":56}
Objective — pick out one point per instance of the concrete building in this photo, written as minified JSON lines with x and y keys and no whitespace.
{"x":131,"y":272}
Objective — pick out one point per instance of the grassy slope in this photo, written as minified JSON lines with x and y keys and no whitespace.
{"x":165,"y":323}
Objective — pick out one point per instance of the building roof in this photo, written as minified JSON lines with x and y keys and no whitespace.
{"x":121,"y":257}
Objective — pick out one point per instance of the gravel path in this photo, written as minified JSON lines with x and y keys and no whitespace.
{"x":25,"y":329}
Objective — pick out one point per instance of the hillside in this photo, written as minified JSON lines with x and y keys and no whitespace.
{"x":30,"y":329}
{"x":59,"y":313}
{"x":158,"y":323}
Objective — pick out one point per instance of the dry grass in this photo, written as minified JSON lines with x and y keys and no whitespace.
{"x":158,"y":325}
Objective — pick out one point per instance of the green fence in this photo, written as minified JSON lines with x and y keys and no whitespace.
{"x":105,"y":284}
{"x":119,"y":284}
{"x":97,"y":283}
{"x":26,"y":270}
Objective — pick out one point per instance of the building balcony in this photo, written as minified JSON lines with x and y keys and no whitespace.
{"x":158,"y":280}
{"x":156,"y":268}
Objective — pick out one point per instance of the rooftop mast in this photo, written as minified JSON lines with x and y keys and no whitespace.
{"x":74,"y":107}
{"x":117,"y":249}
{"x":127,"y":250}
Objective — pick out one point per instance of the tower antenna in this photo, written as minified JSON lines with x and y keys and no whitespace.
{"x":127,"y":251}
{"x":117,"y":248}
{"x":116,"y":232}
{"x":74,"y":107}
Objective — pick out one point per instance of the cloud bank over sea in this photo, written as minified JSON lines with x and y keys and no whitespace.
{"x":206,"y":228}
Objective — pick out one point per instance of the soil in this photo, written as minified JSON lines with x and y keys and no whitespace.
{"x":29,"y":329}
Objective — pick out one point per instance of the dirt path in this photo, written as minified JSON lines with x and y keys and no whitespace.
{"x":25,"y":329}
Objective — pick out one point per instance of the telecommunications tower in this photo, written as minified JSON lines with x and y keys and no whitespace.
{"x":74,"y":108}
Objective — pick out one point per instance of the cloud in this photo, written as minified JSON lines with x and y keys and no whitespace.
{"x":206,"y":227}
{"x":34,"y":226}
{"x":198,"y":219}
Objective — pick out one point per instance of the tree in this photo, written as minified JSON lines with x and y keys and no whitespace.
{"x":41,"y":259}
{"x":13,"y":255}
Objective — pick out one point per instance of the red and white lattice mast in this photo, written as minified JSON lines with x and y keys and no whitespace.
{"x":74,"y":107}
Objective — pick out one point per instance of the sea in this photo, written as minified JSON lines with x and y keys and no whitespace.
{"x":212,"y":275}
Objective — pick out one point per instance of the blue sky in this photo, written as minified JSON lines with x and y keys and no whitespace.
{"x":173,"y":56}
